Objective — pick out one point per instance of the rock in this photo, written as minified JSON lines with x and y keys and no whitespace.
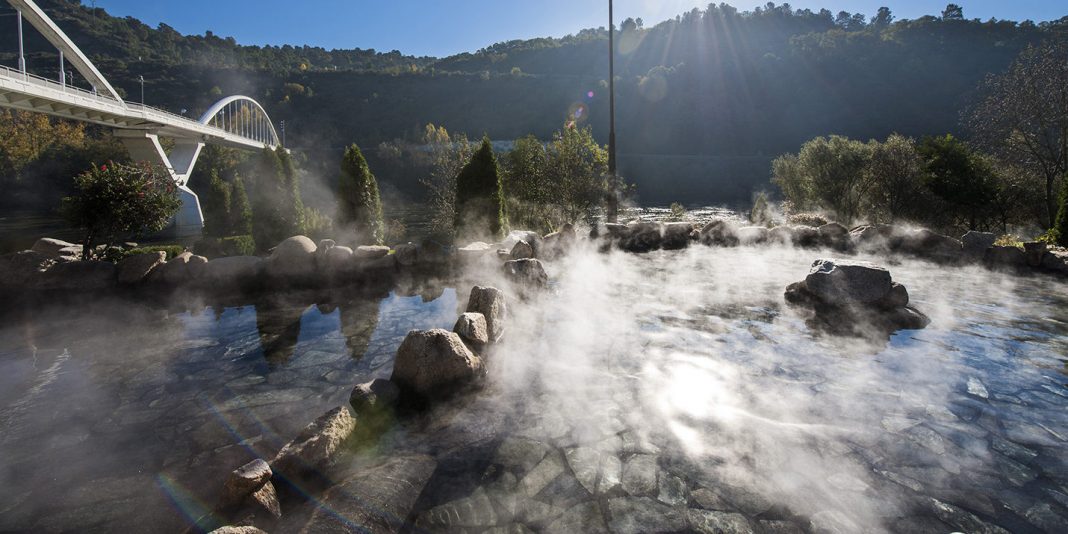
{"x":375,"y":500}
{"x":558,"y":242}
{"x":292,"y":260}
{"x":848,"y":281}
{"x":20,"y":270}
{"x":752,"y":235}
{"x":474,"y":252}
{"x":676,"y":235}
{"x":612,"y":231}
{"x":673,"y":491}
{"x":521,"y":251}
{"x":370,"y":252}
{"x":489,"y":301}
{"x":642,"y":236}
{"x":174,"y":272}
{"x":471,"y":327}
{"x":1005,"y":258}
{"x":432,"y":363}
{"x":640,"y":474}
{"x":974,"y":244}
{"x":834,"y":235}
{"x":585,"y":517}
{"x":533,"y":239}
{"x":474,"y":511}
{"x":320,"y":251}
{"x":378,"y":394}
{"x":262,"y":503}
{"x":136,"y":268}
{"x":1034,"y":251}
{"x":712,"y":522}
{"x":232,"y":271}
{"x":798,"y":236}
{"x":316,"y":444}
{"x":898,"y":297}
{"x":78,"y":276}
{"x":337,"y":259}
{"x":929,"y":245}
{"x":719,"y":232}
{"x":528,"y":272}
{"x":237,"y":529}
{"x":54,"y":248}
{"x":631,"y":515}
{"x":1055,"y":262}
{"x":245,"y":480}
{"x":407,"y":254}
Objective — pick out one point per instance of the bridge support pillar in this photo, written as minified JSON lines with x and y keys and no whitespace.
{"x":145,"y":146}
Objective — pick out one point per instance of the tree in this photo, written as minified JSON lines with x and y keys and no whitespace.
{"x":833,"y":169}
{"x":578,"y":172}
{"x":882,"y":18}
{"x":447,"y":156}
{"x":277,"y":212}
{"x":961,"y":179}
{"x":953,"y":12}
{"x":895,"y":172}
{"x":115,"y":200}
{"x":1023,"y":117}
{"x":359,"y":205}
{"x":240,"y":210}
{"x":479,"y":195}
{"x":529,"y":191}
{"x":216,"y":205}
{"x":1060,"y":228}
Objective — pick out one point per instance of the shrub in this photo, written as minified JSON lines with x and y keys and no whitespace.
{"x":678,"y":212}
{"x":479,"y":199}
{"x":359,"y":205}
{"x":115,"y":200}
{"x":171,"y":250}
{"x":1059,"y":232}
{"x":215,"y":247}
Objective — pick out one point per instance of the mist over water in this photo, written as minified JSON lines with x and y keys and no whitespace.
{"x":671,"y":374}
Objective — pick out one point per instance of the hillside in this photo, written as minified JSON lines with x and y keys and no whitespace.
{"x":704,"y":102}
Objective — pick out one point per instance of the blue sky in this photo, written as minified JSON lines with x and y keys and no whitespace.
{"x":444,"y":27}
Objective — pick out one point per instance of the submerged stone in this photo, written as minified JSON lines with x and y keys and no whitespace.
{"x":640,"y":474}
{"x":635,"y":515}
{"x":316,"y":444}
{"x":712,"y":522}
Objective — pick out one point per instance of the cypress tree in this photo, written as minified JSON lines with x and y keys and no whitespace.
{"x":1060,"y":227}
{"x":240,"y":209}
{"x":479,"y":195}
{"x":274,"y":207}
{"x":359,"y":205}
{"x":216,"y":205}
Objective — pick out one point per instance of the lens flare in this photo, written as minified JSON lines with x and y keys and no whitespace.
{"x":577,"y":113}
{"x":589,"y":94}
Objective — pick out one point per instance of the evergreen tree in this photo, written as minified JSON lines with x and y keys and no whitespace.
{"x":359,"y":204}
{"x":277,"y":212}
{"x":1060,"y":228}
{"x":240,"y":210}
{"x":479,"y":195}
{"x":216,"y":203}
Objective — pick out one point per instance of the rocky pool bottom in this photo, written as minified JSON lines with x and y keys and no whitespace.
{"x":670,"y":391}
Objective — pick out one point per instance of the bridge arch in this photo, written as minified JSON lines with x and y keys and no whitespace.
{"x":241,"y":115}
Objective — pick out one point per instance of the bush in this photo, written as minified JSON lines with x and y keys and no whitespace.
{"x":1059,"y":232}
{"x":217,"y":247}
{"x":479,"y":199}
{"x":678,"y":212}
{"x":116,"y":200}
{"x":171,"y":250}
{"x":359,"y":205}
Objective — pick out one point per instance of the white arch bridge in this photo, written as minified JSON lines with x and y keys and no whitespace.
{"x":236,"y":121}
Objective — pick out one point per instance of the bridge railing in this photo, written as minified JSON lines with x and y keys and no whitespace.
{"x":145,"y":111}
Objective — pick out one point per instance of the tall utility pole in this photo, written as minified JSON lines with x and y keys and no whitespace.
{"x":22,"y":56}
{"x":613,"y":201}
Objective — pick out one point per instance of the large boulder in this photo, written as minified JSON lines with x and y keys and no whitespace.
{"x":136,"y":268}
{"x":1005,"y":258}
{"x":834,"y":235}
{"x":376,"y":395}
{"x":1034,"y":251}
{"x":676,"y":235}
{"x":54,"y":248}
{"x":533,"y":239}
{"x":642,"y":236}
{"x":930,"y":245}
{"x":434,"y":363}
{"x":1055,"y":262}
{"x":316,"y":444}
{"x":472,"y":328}
{"x":232,"y":271}
{"x":292,"y":260}
{"x":529,"y":272}
{"x":854,"y":298}
{"x":974,"y":244}
{"x":370,"y":252}
{"x":752,"y":235}
{"x":848,"y":281}
{"x":407,"y":254}
{"x":20,"y":270}
{"x":474,"y":252}
{"x":337,"y":260}
{"x":489,"y":302}
{"x":719,"y":232}
{"x":558,"y":242}
{"x":522,"y":250}
{"x":78,"y":276}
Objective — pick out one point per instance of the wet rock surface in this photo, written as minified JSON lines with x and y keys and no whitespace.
{"x":434,"y":363}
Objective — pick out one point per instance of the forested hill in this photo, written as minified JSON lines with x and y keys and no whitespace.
{"x":704,"y":101}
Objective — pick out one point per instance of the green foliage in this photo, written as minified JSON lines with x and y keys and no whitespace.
{"x":578,"y":172}
{"x":240,"y":210}
{"x":761,"y":212}
{"x":1060,"y":227}
{"x":479,"y":195}
{"x":956,"y":175}
{"x":396,"y":232}
{"x":828,"y":173}
{"x":528,"y":188}
{"x":359,"y":205}
{"x":277,"y":210}
{"x":217,"y":247}
{"x":678,"y":212}
{"x":216,"y":204}
{"x":317,"y":225}
{"x":116,"y":200}
{"x":895,"y":172}
{"x":170,"y":250}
